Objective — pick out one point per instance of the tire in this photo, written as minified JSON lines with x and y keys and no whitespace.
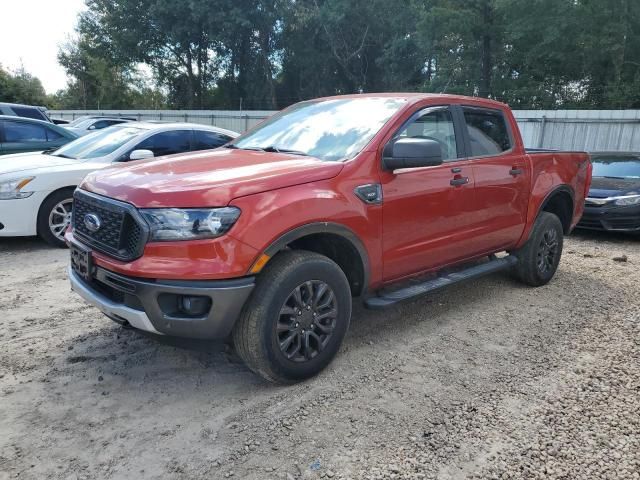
{"x":51,"y":209}
{"x":538,"y":259}
{"x":273,"y":314}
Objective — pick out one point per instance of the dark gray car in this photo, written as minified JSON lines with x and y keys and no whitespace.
{"x":18,"y":135}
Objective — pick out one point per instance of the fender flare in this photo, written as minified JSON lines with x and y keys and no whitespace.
{"x":564,"y":188}
{"x":324,"y":227}
{"x":557,"y":189}
{"x":560,"y":188}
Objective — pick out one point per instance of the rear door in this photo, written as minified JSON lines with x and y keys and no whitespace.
{"x":429,"y":212}
{"x":502,"y":178}
{"x":21,"y":136}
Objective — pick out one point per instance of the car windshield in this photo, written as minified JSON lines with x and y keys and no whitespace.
{"x":328,"y":129}
{"x":83,"y":124}
{"x":77,"y":121}
{"x":98,"y":144}
{"x":617,"y":167}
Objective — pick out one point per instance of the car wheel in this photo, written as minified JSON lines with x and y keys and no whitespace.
{"x":539,"y":258}
{"x":296,"y":317}
{"x":55,"y":216}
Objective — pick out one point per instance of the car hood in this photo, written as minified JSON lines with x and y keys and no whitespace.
{"x":206,"y":179}
{"x":19,"y":162}
{"x":602,"y":187}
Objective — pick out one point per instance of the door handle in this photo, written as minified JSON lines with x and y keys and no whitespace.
{"x":458,"y":182}
{"x":516,"y":171}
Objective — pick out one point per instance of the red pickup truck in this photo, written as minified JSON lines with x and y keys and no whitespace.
{"x":266,"y":241}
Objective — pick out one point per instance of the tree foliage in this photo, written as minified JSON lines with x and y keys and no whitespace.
{"x":21,"y":87}
{"x":266,"y":54}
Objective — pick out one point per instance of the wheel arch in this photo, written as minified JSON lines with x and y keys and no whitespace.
{"x":560,"y":202}
{"x":44,"y":200}
{"x":335,"y":241}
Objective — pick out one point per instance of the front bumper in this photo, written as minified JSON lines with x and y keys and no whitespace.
{"x":19,"y":217}
{"x":144,"y":304}
{"x":611,"y":218}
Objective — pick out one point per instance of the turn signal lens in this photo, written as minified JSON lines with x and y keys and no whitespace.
{"x":260,"y":263}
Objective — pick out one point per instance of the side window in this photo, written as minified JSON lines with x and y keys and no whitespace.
{"x":23,"y":132}
{"x":167,"y":143}
{"x":488,"y":132}
{"x":436,"y":125}
{"x":52,"y":135}
{"x":28,"y":113}
{"x":205,"y":140}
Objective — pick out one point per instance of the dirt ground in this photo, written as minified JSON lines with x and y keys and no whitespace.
{"x":487,"y":380}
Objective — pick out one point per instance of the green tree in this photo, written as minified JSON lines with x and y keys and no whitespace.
{"x":21,"y":87}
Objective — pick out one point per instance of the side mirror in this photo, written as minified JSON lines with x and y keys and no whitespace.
{"x":412,"y":153}
{"x":92,"y":127}
{"x":141,"y":154}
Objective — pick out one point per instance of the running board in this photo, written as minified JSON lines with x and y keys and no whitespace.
{"x":390,"y":299}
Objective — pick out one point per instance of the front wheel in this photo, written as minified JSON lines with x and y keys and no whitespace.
{"x":538,"y":259}
{"x":55,"y":216}
{"x":296,"y":318}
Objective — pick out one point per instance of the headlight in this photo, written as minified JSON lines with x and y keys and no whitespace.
{"x":628,"y":200}
{"x":168,"y":224}
{"x":11,"y":189}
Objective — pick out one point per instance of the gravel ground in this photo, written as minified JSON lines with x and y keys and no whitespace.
{"x":486,"y":380}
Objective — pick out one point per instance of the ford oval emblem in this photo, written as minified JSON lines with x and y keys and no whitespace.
{"x":92,"y":222}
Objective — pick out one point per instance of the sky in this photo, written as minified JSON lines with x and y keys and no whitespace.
{"x":32,"y":31}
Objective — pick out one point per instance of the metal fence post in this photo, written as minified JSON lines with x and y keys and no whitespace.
{"x":542,"y":125}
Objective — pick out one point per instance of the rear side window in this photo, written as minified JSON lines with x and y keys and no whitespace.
{"x":488,"y":132}
{"x":205,"y":140}
{"x":23,"y":132}
{"x":167,"y":143}
{"x":28,"y":113}
{"x":52,"y":135}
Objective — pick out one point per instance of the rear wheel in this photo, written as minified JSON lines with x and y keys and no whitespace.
{"x":55,"y":216}
{"x":539,"y":258}
{"x":296,"y":318}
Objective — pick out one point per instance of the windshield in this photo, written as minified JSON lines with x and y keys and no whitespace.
{"x":77,"y":121}
{"x":619,"y":167}
{"x":83,"y":124}
{"x":329,"y":130}
{"x":98,"y":144}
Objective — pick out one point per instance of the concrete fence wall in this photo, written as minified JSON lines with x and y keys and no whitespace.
{"x":590,"y":130}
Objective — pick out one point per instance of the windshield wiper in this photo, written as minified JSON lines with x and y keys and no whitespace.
{"x":269,"y":149}
{"x":273,"y":148}
{"x":615,"y":178}
{"x":62,"y":155}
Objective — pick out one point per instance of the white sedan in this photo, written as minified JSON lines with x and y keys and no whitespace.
{"x":36,"y":189}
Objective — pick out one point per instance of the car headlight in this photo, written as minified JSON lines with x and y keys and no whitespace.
{"x":628,"y":200}
{"x":169,"y":224}
{"x":12,"y":189}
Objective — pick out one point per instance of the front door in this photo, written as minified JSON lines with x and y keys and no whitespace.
{"x":428,"y":213}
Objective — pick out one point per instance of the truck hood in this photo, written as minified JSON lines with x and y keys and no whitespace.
{"x":206,"y":179}
{"x":19,"y":162}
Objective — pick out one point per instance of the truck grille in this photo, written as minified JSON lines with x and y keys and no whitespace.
{"x":122,"y":234}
